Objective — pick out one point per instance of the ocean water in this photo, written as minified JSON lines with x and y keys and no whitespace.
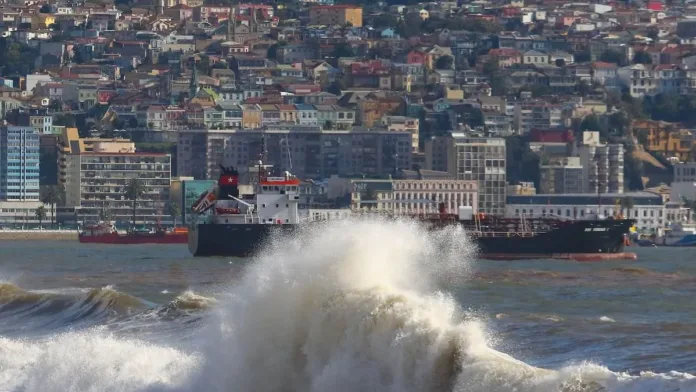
{"x":345,"y":306}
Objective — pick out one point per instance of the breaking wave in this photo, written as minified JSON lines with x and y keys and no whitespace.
{"x":70,"y":307}
{"x":346,"y":306}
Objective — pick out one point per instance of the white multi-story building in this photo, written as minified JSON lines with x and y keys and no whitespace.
{"x":603,"y":165}
{"x":412,"y":196}
{"x":536,"y":115}
{"x":97,"y":180}
{"x":648,"y":209}
{"x":684,"y":184}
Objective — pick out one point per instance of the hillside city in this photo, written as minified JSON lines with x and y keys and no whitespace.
{"x":523,"y":109}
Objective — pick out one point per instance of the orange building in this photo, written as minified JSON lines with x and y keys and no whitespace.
{"x":371,"y":111}
{"x":669,"y":139}
{"x":332,"y":15}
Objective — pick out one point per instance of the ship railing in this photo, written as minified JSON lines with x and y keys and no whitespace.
{"x":502,"y":234}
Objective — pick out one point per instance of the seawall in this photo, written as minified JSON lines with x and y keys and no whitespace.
{"x":60,"y":235}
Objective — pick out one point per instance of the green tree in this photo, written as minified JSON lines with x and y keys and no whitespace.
{"x":613,"y":56}
{"x":490,"y":67}
{"x":78,"y":57}
{"x":582,"y":88}
{"x":342,"y":49}
{"x":642,"y":57}
{"x":410,"y":26}
{"x":17,"y":59}
{"x":203,"y":65}
{"x":560,"y":63}
{"x":336,"y":87}
{"x":174,"y":211}
{"x":40,"y":214}
{"x":45,"y":9}
{"x":52,"y":195}
{"x":444,"y":62}
{"x":135,"y":188}
{"x":67,"y":120}
{"x":328,"y":124}
{"x":385,"y":20}
{"x":500,"y":84}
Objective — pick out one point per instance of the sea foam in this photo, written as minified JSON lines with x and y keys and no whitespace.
{"x":342,"y":306}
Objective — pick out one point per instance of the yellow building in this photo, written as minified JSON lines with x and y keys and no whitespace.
{"x":669,"y":139}
{"x":251,"y":116}
{"x":332,"y":15}
{"x":42,"y":21}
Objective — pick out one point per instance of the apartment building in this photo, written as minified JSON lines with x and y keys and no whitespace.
{"x":97,"y":179}
{"x":306,"y":151}
{"x":336,"y":15}
{"x":603,"y":165}
{"x":684,"y":184}
{"x":561,"y":176}
{"x":19,"y":163}
{"x":537,"y":115}
{"x":476,"y":159}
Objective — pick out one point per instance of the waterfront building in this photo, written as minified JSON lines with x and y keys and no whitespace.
{"x":561,"y":176}
{"x":684,"y":184}
{"x":648,"y":210}
{"x":482,"y":160}
{"x":603,"y":165}
{"x":305,"y":151}
{"x":21,"y":214}
{"x":19,"y":163}
{"x":96,"y":180}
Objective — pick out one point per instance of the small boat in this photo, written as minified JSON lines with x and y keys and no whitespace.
{"x":106,"y":233}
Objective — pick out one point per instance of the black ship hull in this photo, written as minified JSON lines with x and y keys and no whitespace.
{"x":239,"y":240}
{"x":578,"y":237}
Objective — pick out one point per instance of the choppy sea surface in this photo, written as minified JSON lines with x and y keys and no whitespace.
{"x":346,"y":306}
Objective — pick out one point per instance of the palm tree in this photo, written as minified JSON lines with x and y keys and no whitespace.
{"x":52,"y":195}
{"x":173,"y":210}
{"x":134,"y":190}
{"x":626,"y":204}
{"x":40,"y":214}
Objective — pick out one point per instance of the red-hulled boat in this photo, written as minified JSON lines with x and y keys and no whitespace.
{"x":106,"y":233}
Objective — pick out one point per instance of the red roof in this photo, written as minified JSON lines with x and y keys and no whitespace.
{"x":551,"y":136}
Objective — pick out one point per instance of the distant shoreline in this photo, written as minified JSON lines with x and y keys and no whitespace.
{"x":15,"y":235}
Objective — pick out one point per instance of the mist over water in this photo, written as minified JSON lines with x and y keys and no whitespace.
{"x":342,"y":306}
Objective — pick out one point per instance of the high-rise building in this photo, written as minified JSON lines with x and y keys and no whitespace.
{"x":95,"y":181}
{"x":603,"y":165}
{"x":305,"y":151}
{"x":561,"y":176}
{"x":481,"y":160}
{"x":19,"y":163}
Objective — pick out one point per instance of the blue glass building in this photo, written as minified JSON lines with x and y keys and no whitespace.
{"x":19,"y":163}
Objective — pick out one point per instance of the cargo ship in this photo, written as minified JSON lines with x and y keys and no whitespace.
{"x":106,"y":233}
{"x":239,"y":226}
